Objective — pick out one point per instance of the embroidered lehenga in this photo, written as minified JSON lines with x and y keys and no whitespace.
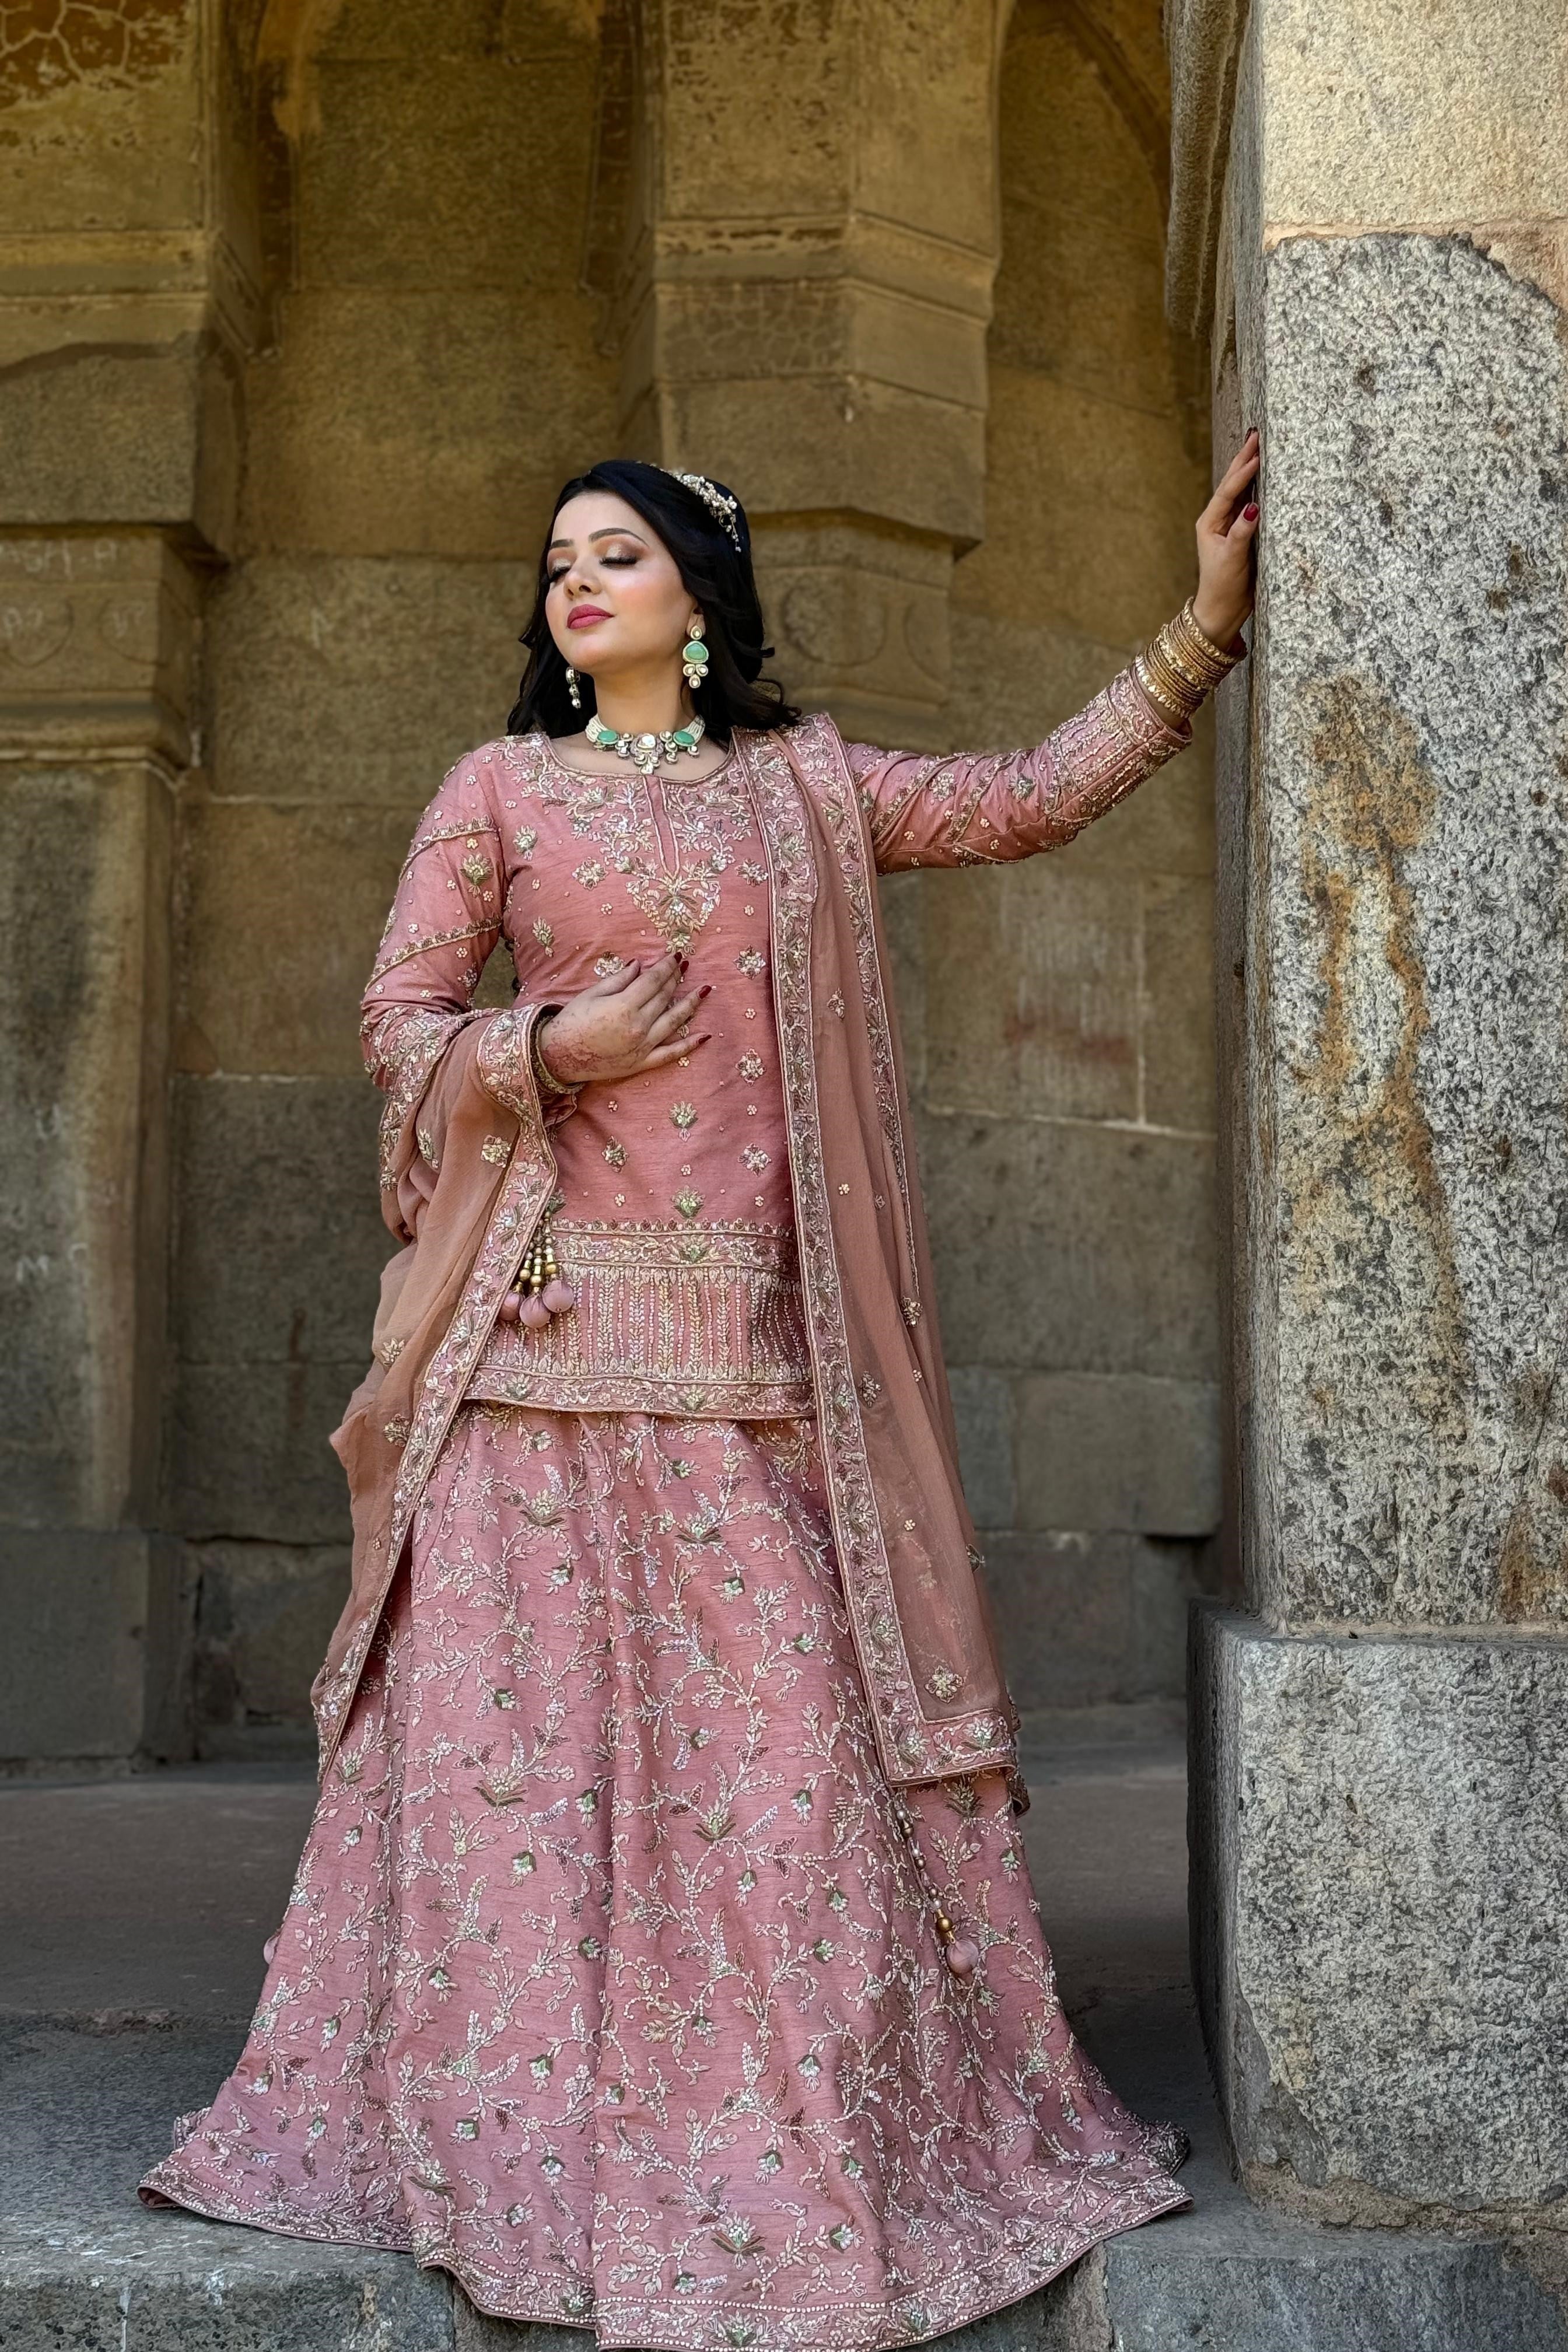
{"x":663,"y":1958}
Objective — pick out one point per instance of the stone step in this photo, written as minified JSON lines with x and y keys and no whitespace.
{"x":131,"y":1920}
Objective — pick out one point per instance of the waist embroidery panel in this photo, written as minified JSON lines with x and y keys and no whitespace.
{"x":701,"y":1320}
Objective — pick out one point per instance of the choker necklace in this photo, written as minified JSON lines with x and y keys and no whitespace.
{"x":645,"y":751}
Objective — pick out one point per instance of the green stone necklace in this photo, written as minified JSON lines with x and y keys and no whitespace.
{"x":645,"y":752}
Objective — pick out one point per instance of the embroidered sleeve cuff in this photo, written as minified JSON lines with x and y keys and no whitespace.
{"x":506,"y":1068}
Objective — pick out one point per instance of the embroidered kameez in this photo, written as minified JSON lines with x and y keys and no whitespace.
{"x":659,"y":1728}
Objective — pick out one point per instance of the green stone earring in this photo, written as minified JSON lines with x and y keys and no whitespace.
{"x":694,"y":654}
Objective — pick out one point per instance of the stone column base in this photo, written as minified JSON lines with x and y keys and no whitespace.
{"x":1380,"y":1936}
{"x":95,"y":1659}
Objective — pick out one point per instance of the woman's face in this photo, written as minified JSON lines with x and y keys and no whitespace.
{"x":614,"y":599}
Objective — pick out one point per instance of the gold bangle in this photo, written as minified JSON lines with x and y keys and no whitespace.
{"x":548,"y":1085}
{"x":1182,"y":688}
{"x":1164,"y":693}
{"x":1198,"y":651}
{"x":1170,"y":655}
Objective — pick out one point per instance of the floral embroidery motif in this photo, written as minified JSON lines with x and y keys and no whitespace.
{"x":465,"y":1948}
{"x":589,"y":872}
{"x":606,"y":964}
{"x":477,"y":870}
{"x":544,"y":933}
{"x":750,"y":1066}
{"x":756,"y":1159}
{"x":752,"y":961}
{"x":616,"y":1154}
{"x":523,"y":840}
{"x":689,"y":1203}
{"x":495,"y":1148}
{"x":683,"y":1115}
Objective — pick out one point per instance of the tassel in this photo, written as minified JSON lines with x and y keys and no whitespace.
{"x":962,"y":1955}
{"x":558,"y":1297}
{"x":533,"y":1312}
{"x":510,"y":1308}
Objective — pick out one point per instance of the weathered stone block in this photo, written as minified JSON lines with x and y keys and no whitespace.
{"x":264,"y":1616}
{"x":84,"y":993}
{"x":1060,"y":1246}
{"x":1406,"y":957}
{"x":96,"y":1658}
{"x":384,"y":200}
{"x":1361,"y":129}
{"x":421,"y":454}
{"x":983,"y":1409}
{"x":102,"y":119}
{"x":1378,"y":1834}
{"x":1118,"y":1450}
{"x":282,"y":1240}
{"x":111,"y":423}
{"x":1091,"y":1620}
{"x":1033,"y":1004}
{"x":1176,"y":1027}
{"x":249,"y":1451}
{"x":285,"y":904}
{"x":350,"y":680}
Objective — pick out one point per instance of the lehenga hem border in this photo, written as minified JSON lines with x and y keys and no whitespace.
{"x":712,"y":2321}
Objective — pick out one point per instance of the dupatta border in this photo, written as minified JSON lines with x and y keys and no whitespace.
{"x":911,"y":1746}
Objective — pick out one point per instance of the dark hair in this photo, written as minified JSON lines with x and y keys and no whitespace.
{"x":719,"y":576}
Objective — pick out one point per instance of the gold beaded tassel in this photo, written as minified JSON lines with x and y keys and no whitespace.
{"x":962,"y":1953}
{"x":538,"y":1291}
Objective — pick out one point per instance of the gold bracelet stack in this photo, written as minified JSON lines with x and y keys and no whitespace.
{"x":1182,"y":663}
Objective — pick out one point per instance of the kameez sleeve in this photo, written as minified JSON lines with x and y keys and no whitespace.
{"x":422,"y":1038}
{"x":965,"y":809}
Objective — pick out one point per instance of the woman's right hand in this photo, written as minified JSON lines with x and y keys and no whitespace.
{"x":626,"y":1023}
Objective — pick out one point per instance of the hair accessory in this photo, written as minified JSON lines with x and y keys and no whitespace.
{"x":694,"y":654}
{"x":725,"y":509}
{"x":645,"y":752}
{"x":575,"y":698}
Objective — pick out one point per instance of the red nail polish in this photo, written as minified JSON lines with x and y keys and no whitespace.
{"x":706,"y":989}
{"x":1250,"y":512}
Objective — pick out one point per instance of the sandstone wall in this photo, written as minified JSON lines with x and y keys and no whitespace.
{"x":364,"y":280}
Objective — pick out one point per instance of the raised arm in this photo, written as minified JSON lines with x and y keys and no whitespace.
{"x":960,"y":809}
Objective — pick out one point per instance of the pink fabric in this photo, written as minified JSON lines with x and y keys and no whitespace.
{"x":828,"y":815}
{"x":676,"y":1227}
{"x":609,"y":1980}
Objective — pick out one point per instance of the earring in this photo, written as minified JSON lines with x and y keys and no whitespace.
{"x":571,"y":689}
{"x":694,"y":654}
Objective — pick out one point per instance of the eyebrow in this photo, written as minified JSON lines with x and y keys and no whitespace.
{"x":615,"y":531}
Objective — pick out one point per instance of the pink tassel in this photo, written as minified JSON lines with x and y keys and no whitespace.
{"x":510,"y":1308}
{"x":270,"y":1950}
{"x":535,"y":1313}
{"x":559,"y":1296}
{"x":963,"y":1957}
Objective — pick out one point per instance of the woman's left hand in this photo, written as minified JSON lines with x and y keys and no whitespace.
{"x":1225,"y":530}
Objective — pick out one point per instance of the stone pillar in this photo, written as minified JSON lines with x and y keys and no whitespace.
{"x":96,"y":636}
{"x":122,"y":292}
{"x":809,"y":254}
{"x":1382,"y":1732}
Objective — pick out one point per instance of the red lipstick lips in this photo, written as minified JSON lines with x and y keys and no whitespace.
{"x":581,"y":615}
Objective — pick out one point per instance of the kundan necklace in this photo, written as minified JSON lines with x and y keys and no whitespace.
{"x":645,"y":752}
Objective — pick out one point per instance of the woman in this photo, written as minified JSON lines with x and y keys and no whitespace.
{"x":662,"y":1958}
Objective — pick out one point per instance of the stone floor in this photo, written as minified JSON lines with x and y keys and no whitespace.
{"x":132,"y":1919}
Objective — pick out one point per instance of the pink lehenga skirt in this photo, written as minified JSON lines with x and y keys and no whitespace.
{"x":610,"y":1982}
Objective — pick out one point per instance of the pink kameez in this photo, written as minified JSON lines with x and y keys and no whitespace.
{"x":610,"y":1980}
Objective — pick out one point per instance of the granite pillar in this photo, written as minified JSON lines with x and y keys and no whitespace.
{"x":1377,"y":1812}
